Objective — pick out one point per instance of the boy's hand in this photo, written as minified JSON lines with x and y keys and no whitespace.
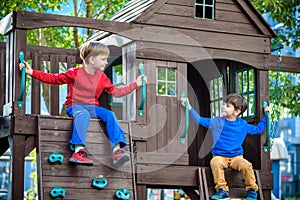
{"x":139,"y":80}
{"x":28,"y":68}
{"x":183,"y":100}
{"x":267,"y":109}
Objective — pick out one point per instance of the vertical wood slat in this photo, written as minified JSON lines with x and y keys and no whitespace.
{"x":201,"y":184}
{"x":18,"y":45}
{"x":151,"y":104}
{"x":2,"y":76}
{"x":172,"y":116}
{"x":71,"y":62}
{"x":9,"y":78}
{"x":261,"y":197}
{"x":141,"y":192}
{"x":35,"y":86}
{"x":129,"y":57}
{"x":54,"y":89}
{"x":161,"y":137}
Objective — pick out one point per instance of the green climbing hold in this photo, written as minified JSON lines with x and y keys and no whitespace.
{"x":58,"y":192}
{"x":56,"y":157}
{"x":123,"y":194}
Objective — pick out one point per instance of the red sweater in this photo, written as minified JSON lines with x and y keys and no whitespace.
{"x":84,"y":88}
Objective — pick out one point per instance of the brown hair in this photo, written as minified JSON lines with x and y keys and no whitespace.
{"x":238,"y":102}
{"x":92,"y":48}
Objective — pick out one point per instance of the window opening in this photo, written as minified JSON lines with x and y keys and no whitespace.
{"x":245,"y":83}
{"x":216,"y":96}
{"x":166,"y":81}
{"x":205,"y":9}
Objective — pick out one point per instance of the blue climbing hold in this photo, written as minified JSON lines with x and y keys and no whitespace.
{"x":123,"y":194}
{"x":99,"y":183}
{"x":56,"y":157}
{"x":58,"y":191}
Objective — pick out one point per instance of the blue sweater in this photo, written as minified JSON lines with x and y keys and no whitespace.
{"x":228,"y":135}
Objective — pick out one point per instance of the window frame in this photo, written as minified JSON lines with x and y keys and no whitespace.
{"x":216,"y":100}
{"x":166,"y":81}
{"x":247,"y":94}
{"x":204,"y":6}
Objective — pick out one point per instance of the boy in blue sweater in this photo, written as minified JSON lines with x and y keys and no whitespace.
{"x":229,"y":133}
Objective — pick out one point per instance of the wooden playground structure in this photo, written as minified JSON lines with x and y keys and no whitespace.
{"x":160,"y":35}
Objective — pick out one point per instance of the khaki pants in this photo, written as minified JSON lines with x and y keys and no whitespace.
{"x":219,"y":163}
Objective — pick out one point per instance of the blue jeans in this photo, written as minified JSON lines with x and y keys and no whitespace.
{"x":82,"y":114}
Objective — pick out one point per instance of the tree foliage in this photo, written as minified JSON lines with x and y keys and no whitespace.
{"x":284,"y":90}
{"x":285,"y":13}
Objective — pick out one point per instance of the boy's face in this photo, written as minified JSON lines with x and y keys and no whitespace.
{"x":99,"y":62}
{"x":229,"y":112}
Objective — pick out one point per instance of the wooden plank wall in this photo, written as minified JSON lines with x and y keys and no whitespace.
{"x":231,"y":35}
{"x":54,"y":135}
{"x":228,"y":17}
{"x":163,"y":120}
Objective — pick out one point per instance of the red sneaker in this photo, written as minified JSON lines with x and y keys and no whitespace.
{"x":120,"y":157}
{"x":80,"y":158}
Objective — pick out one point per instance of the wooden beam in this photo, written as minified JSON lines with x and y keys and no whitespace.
{"x":191,"y":193}
{"x":169,"y":176}
{"x":288,"y":64}
{"x":150,"y":11}
{"x":173,"y":52}
{"x":162,"y":158}
{"x":24,"y":125}
{"x":32,"y":20}
{"x":30,"y":145}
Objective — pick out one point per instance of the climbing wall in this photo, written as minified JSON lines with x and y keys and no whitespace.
{"x":76,"y":180}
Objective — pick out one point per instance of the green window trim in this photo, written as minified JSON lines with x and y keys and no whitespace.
{"x":246,"y":86}
{"x":166,"y":81}
{"x":216,"y":95}
{"x":205,"y":9}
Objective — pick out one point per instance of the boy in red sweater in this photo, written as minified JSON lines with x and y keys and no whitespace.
{"x":85,"y":85}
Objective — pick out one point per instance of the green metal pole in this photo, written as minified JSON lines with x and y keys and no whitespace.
{"x":186,"y":128}
{"x":23,"y":82}
{"x":141,"y":107}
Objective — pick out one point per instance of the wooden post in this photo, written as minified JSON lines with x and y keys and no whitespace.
{"x":18,"y":159}
{"x":263,"y":95}
{"x":17,"y":45}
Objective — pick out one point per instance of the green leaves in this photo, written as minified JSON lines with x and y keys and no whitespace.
{"x":287,"y":94}
{"x":284,"y":12}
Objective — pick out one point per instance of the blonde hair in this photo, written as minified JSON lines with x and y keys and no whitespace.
{"x":92,"y":48}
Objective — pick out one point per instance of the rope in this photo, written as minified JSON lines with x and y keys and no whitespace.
{"x":272,"y":125}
